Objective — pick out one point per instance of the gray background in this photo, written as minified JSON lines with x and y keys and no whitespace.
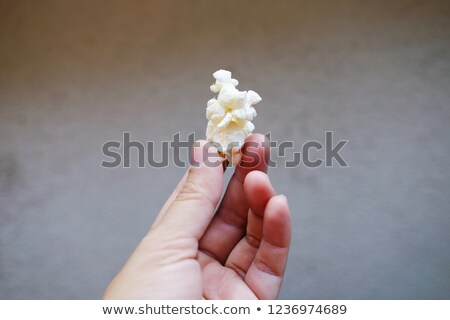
{"x":74,"y":74}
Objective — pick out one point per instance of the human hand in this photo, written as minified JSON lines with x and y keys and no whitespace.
{"x":194,"y":251}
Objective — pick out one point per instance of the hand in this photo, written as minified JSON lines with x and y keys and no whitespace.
{"x":194,"y":251}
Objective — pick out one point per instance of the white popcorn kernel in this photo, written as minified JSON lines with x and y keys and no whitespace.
{"x":222,"y":76}
{"x":230,"y":114}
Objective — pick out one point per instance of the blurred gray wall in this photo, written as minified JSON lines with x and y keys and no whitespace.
{"x":74,"y":74}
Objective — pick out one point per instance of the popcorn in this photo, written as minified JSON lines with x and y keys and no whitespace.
{"x":230,"y":115}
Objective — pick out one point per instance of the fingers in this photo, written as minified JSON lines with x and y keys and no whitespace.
{"x":171,"y":198}
{"x":230,"y":222}
{"x":266,"y":272}
{"x":193,"y":206}
{"x":177,"y":189}
{"x":221,"y":283}
{"x":258,"y":191}
{"x":255,"y":156}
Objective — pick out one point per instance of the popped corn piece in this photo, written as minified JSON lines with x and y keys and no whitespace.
{"x":230,"y":114}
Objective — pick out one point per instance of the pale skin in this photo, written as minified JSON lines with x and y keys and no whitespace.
{"x":199,"y":248}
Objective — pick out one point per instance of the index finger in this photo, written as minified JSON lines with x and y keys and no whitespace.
{"x":230,"y":221}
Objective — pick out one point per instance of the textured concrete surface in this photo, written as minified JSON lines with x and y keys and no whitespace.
{"x":74,"y":74}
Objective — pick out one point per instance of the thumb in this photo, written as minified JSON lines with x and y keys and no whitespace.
{"x":193,"y":207}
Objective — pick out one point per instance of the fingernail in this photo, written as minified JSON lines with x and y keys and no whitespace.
{"x":205,"y":154}
{"x":284,"y":197}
